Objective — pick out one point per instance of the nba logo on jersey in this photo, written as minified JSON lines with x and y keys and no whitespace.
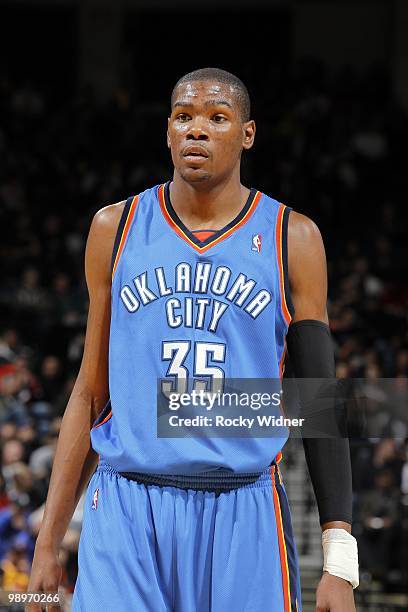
{"x":95,"y":500}
{"x":256,"y":243}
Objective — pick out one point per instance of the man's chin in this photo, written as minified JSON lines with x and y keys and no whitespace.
{"x":195,"y":175}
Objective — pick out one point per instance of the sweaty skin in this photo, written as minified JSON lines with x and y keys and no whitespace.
{"x":206,"y":136}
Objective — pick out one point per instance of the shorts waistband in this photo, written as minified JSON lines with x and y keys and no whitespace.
{"x":212,"y":481}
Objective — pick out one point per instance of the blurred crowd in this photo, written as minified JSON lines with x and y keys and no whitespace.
{"x":330,"y":145}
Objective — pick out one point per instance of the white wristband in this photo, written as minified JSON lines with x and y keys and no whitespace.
{"x":340,"y":555}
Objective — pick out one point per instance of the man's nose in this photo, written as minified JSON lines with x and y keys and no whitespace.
{"x":197,"y":130}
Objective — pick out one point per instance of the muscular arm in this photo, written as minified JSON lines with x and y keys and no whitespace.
{"x":75,"y":460}
{"x":308,"y":284}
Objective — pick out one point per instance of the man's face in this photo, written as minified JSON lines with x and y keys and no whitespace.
{"x":206,"y":133}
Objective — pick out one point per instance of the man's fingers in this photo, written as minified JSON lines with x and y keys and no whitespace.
{"x":33,"y":607}
{"x":54,"y":608}
{"x":33,"y":587}
{"x":50,"y":606}
{"x":47,"y":596}
{"x":43,"y":585}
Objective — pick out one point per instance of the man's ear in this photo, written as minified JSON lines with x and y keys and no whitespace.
{"x":249,"y":129}
{"x":168,"y":137}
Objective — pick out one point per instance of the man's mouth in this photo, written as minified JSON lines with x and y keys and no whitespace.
{"x":195,"y":151}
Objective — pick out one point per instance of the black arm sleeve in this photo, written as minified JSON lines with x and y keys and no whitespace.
{"x":311,"y":355}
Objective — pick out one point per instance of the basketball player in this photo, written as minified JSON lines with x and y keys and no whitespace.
{"x":198,"y":277}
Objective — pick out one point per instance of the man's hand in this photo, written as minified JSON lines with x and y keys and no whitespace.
{"x":334,"y":595}
{"x":45,"y":576}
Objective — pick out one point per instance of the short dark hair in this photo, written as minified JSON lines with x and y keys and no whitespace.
{"x":220,"y":76}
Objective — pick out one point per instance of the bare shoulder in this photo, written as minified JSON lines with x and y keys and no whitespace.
{"x":99,"y":247}
{"x":106,"y":219}
{"x":302,"y":231}
{"x":307,"y":268}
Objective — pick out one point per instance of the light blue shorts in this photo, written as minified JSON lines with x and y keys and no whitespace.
{"x":215,"y":542}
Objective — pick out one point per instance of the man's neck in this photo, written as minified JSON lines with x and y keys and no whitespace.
{"x":207,"y":209}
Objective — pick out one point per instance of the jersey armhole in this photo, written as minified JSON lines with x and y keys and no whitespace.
{"x":104,"y":416}
{"x":120,"y":234}
{"x":284,"y":246}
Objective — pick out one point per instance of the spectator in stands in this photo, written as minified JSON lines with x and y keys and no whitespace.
{"x":379,"y":513}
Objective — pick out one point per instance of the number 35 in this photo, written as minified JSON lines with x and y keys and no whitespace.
{"x":207,"y":376}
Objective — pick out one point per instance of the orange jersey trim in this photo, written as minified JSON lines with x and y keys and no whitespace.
{"x":282,"y":362}
{"x":108,"y":416}
{"x":279,"y":224}
{"x":282,"y":544}
{"x":125,"y":232}
{"x":223,"y":236}
{"x":281,"y":372}
{"x":203,"y":234}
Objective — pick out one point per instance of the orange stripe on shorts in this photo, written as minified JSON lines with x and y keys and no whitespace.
{"x":282,"y":544}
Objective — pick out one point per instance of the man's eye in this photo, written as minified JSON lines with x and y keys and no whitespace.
{"x":219,"y":118}
{"x":182,"y":117}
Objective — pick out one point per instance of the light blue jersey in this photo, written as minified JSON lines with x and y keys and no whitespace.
{"x":193,"y":524}
{"x":194,"y":305}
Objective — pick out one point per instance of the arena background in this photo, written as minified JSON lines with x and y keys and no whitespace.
{"x":84,"y":97}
